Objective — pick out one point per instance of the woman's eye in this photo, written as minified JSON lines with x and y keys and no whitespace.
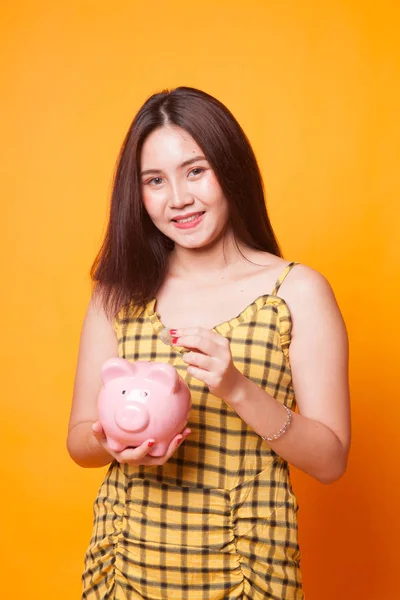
{"x":155,"y":181}
{"x":196,"y":171}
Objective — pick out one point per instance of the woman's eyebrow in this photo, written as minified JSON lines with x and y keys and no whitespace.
{"x":193,"y":160}
{"x":184,"y":164}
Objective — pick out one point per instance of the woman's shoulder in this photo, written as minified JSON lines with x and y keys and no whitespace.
{"x":303,"y":295}
{"x":310,"y":299}
{"x":294,"y":279}
{"x":303,"y":282}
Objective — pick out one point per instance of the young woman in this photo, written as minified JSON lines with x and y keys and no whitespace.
{"x":190,"y":273}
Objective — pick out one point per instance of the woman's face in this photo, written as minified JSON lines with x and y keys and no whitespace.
{"x":180,"y":190}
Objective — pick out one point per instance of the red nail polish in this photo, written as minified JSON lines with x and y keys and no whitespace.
{"x":178,"y":441}
{"x":150,"y":444}
{"x":173,"y":331}
{"x":174,"y":340}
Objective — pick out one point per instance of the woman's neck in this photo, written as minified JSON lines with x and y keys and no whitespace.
{"x":205,"y":264}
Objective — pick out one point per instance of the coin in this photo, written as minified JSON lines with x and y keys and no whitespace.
{"x":166,"y":337}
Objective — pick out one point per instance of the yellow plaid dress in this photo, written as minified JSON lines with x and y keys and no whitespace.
{"x":218,"y":520}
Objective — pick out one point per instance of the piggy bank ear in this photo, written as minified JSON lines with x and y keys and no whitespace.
{"x":114,"y":368}
{"x":164,"y":374}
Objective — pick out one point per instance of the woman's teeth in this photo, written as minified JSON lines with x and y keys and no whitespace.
{"x":192,"y":218}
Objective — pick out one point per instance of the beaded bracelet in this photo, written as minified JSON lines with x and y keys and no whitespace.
{"x":282,"y":429}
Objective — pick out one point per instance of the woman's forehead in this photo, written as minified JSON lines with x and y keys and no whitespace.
{"x":168,"y":146}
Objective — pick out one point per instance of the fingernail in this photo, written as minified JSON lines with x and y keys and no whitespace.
{"x":174,"y":340}
{"x":186,"y":434}
{"x":150,"y":444}
{"x":179,"y":440}
{"x":173,"y":331}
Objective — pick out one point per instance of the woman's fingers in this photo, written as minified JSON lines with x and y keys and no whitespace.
{"x":202,"y":375}
{"x":98,"y":432}
{"x":132,"y":455}
{"x":199,"y":332}
{"x":175,"y":443}
{"x":203,"y":361}
{"x":198,"y":338}
{"x":140,"y":454}
{"x":202,"y":344}
{"x":136,"y":455}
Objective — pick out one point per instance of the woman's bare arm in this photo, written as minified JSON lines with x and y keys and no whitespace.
{"x":318,"y":439}
{"x":98,"y":343}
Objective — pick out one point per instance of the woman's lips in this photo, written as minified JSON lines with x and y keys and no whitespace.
{"x":194,"y":220}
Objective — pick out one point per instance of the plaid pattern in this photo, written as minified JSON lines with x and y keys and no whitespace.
{"x":218,"y":520}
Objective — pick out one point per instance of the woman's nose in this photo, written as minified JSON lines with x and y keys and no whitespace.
{"x":180,"y":197}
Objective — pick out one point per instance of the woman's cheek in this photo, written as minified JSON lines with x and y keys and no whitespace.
{"x":146,"y":197}
{"x":152,"y":204}
{"x":209,"y":187}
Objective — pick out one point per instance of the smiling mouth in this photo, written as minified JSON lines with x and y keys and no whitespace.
{"x":192,"y":217}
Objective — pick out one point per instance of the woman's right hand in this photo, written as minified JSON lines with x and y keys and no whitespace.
{"x":139,"y":455}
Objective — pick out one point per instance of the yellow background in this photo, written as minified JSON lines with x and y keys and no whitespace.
{"x":316,"y":87}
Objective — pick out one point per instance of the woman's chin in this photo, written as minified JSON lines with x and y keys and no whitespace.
{"x":196,"y":244}
{"x":201,"y":242}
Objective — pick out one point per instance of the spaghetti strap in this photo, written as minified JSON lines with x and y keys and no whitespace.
{"x":282,"y":278}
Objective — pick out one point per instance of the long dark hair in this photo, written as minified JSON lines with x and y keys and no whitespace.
{"x":133,"y":259}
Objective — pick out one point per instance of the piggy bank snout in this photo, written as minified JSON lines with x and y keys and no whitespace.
{"x":132,"y":417}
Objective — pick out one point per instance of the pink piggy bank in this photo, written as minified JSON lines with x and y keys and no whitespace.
{"x":142,"y":400}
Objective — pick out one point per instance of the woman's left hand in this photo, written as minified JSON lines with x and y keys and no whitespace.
{"x":209,"y":359}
